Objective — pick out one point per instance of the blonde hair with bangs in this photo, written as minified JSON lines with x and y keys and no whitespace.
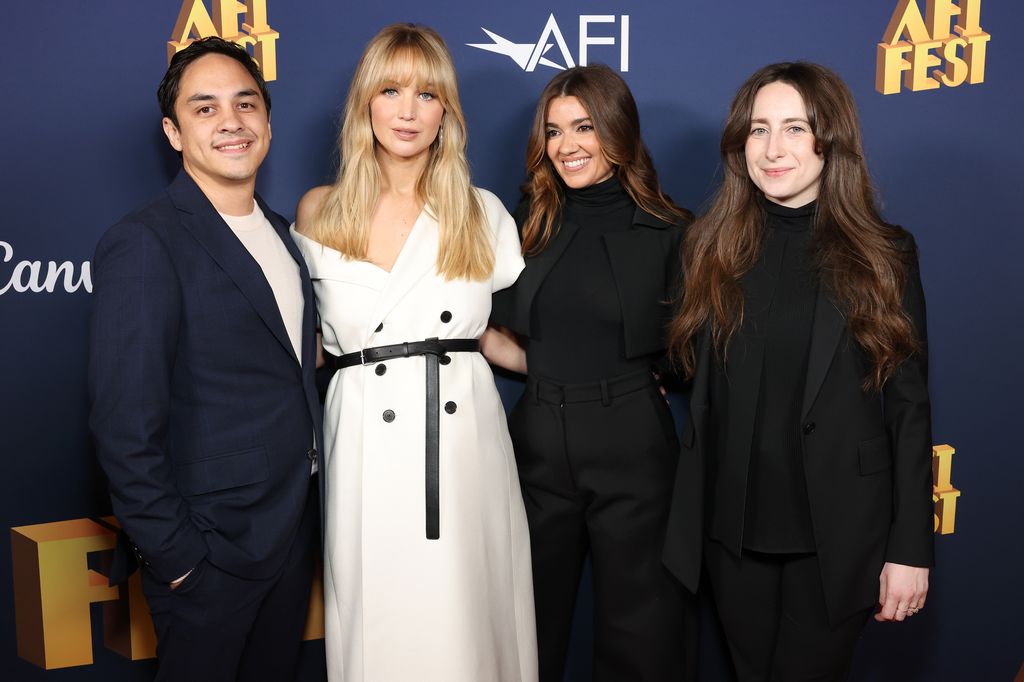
{"x":406,"y":53}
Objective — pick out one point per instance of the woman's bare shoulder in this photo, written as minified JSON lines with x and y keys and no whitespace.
{"x":308,"y":206}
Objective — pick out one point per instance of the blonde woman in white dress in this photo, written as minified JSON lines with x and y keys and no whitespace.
{"x":427,"y":558}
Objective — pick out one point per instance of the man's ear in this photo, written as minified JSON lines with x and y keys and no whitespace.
{"x":172,"y":133}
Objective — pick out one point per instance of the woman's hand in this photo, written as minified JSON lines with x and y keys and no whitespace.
{"x":901,"y":591}
{"x":500,"y":346}
{"x":320,"y":359}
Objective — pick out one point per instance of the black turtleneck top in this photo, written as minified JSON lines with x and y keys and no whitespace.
{"x":577,"y":317}
{"x":777,"y":514}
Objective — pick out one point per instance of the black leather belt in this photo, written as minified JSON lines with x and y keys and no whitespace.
{"x":432,"y":350}
{"x":604,"y":390}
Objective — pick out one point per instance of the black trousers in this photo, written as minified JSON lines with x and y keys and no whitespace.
{"x":218,"y":627}
{"x":772,"y":608}
{"x":596,"y":463}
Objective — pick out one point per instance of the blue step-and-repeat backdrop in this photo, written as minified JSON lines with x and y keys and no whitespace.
{"x":939,"y":87}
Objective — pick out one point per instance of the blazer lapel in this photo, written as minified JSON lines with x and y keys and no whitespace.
{"x":539,"y":266}
{"x":700,"y":392}
{"x":745,"y":355}
{"x":203,"y":222}
{"x":826,"y":331}
{"x":309,"y":324}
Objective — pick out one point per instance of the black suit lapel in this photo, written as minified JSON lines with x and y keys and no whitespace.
{"x":828,"y":328}
{"x":539,"y":267}
{"x":745,"y":355}
{"x":309,"y":324}
{"x":700,"y":393}
{"x":201,"y":219}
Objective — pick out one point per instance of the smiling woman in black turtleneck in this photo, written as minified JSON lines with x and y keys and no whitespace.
{"x":594,"y":440}
{"x":802,"y":326}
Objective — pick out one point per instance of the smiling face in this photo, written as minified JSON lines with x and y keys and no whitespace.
{"x":405,"y":120}
{"x":223,"y":128}
{"x":573,"y":146}
{"x":781,"y":154}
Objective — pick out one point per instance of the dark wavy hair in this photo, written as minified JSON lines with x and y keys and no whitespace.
{"x":167,"y":93}
{"x":861,"y":261}
{"x":611,"y":107}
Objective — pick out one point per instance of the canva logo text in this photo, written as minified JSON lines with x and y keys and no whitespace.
{"x":36,"y":276}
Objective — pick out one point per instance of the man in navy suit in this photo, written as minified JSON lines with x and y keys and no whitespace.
{"x":201,"y":377}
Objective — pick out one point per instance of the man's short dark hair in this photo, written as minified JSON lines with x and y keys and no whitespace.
{"x":167,"y":93}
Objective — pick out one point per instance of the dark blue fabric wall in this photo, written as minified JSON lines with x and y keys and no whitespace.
{"x":81,"y":145}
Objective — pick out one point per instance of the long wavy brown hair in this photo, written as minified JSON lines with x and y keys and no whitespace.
{"x":611,"y":107}
{"x":861,"y":261}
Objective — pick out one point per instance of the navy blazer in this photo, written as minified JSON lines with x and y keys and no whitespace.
{"x":204,"y":420}
{"x":866,"y":455}
{"x":644,"y":257}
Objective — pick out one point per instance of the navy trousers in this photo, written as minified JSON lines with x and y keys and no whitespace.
{"x":218,"y":627}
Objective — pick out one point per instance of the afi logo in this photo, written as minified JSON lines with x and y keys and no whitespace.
{"x":529,"y":55}
{"x":195,"y":22}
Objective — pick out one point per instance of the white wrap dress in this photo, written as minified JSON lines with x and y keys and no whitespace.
{"x":398,"y":606}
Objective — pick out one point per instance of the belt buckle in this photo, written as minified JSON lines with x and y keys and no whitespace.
{"x":362,"y":356}
{"x":433,"y":346}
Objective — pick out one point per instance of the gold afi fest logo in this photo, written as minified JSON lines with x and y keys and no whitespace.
{"x":944,"y":495}
{"x":947,"y":35}
{"x":194,"y":22}
{"x":60,"y":572}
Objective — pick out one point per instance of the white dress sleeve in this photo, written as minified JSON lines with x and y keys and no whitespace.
{"x":508,"y":257}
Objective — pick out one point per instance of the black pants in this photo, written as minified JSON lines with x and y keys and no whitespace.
{"x":218,"y":627}
{"x":596,"y":463}
{"x":772,"y":608}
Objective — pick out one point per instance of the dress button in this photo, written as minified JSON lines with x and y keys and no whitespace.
{"x":445,"y":359}
{"x":311,"y":455}
{"x":380,"y":327}
{"x":809,"y":428}
{"x":380,"y":369}
{"x":389,"y":416}
{"x":446,"y":317}
{"x":450,"y":407}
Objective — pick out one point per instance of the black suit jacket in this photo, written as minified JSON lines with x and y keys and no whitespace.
{"x":644,"y":257}
{"x":203,"y":418}
{"x":866,"y":455}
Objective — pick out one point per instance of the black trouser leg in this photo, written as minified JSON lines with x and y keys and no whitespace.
{"x":603,"y":471}
{"x":772,"y":609}
{"x":627,"y":452}
{"x":558,"y":541}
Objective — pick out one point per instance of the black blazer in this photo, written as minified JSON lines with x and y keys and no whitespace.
{"x":866,"y":455}
{"x":203,"y":417}
{"x":645,"y":262}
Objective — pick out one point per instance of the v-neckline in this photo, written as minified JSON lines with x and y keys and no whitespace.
{"x":402,"y":249}
{"x":378,"y":268}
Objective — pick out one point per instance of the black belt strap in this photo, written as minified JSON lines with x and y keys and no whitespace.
{"x":433,"y":350}
{"x":433,"y":445}
{"x":435,"y":347}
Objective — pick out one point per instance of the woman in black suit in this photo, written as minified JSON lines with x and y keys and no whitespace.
{"x":802,"y":324}
{"x":594,"y":440}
